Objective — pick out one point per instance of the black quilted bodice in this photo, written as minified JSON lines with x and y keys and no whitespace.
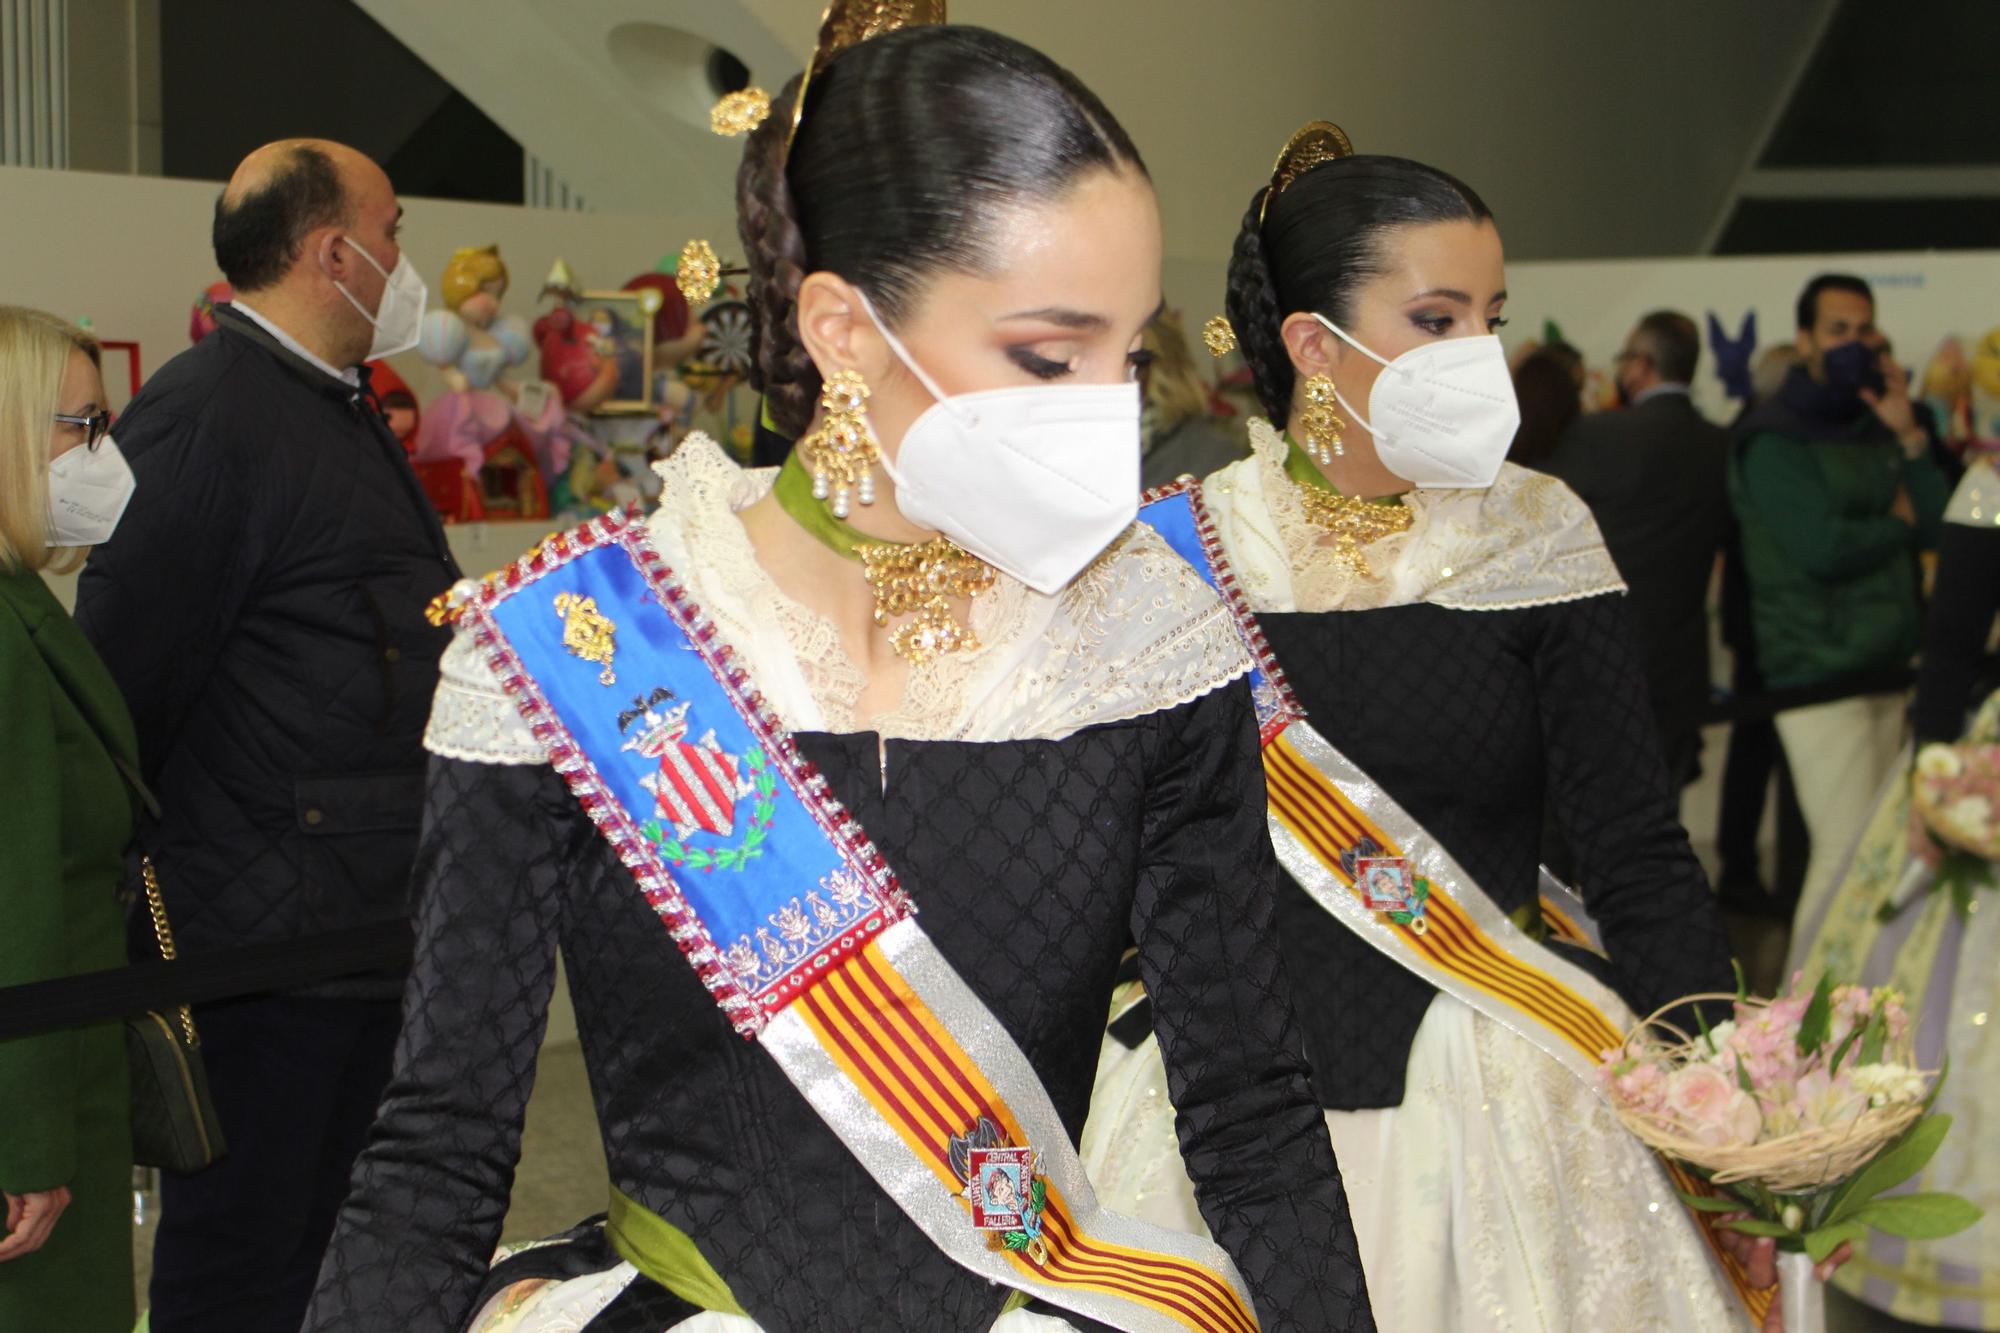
{"x":1481,"y":724}
{"x":1031,"y":862}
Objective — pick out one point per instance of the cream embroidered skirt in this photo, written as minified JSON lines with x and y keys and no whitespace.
{"x":1501,"y":1195}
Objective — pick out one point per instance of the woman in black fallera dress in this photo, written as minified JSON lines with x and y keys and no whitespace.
{"x":1455,"y":627}
{"x":1048,"y":771}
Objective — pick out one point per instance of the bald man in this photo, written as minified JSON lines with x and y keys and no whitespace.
{"x":262,"y":608}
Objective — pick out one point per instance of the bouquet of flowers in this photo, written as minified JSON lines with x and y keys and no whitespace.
{"x":1802,"y":1111}
{"x":1956,"y":792}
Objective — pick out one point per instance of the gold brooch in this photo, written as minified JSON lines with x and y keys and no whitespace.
{"x":1218,"y":337}
{"x":920,"y":580}
{"x":587,"y":633}
{"x":1354,"y":523}
{"x":739,"y":112}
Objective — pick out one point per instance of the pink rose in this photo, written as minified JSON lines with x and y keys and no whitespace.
{"x":1712,"y":1108}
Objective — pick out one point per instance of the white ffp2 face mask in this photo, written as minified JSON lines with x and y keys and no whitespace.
{"x":1035,"y":480}
{"x":399,"y":319}
{"x":1443,"y":413}
{"x":88,"y":491}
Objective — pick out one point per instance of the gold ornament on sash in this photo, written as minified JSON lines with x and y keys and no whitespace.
{"x":849,"y":23}
{"x":1218,"y":337}
{"x":1317,"y":142}
{"x":588,"y":633}
{"x":920,"y":580}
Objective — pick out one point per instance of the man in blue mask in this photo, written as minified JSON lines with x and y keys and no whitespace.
{"x":1835,"y":491}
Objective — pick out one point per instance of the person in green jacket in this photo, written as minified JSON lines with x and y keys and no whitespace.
{"x":1835,"y":492}
{"x":66,"y":815}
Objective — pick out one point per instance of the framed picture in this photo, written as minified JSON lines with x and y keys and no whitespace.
{"x":621,"y":324}
{"x":1387,"y":883}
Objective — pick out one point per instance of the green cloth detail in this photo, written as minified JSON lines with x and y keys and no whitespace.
{"x":763,"y":404}
{"x":1300,"y":468}
{"x":666,"y":1254}
{"x":1834,"y":576}
{"x":794,"y":489}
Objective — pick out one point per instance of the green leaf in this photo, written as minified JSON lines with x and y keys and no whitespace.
{"x":1742,"y":982}
{"x":1821,"y":1243}
{"x":1756,"y":1226}
{"x":1015,"y":1240}
{"x":1919,"y":1216}
{"x":1711,"y":1203}
{"x":1707,"y":1037}
{"x":1818,"y":1016}
{"x":1846,"y":1045}
{"x":1873,"y":1037}
{"x":1743,"y":1081}
{"x":1038,"y":1195}
{"x":1909,"y":1154}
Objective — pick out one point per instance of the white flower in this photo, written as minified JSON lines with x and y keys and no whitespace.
{"x":1972,"y":815}
{"x":1938,"y":760}
{"x":1719,"y":1035}
{"x":1883,"y":1084}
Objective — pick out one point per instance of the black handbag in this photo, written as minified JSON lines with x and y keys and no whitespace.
{"x":173,"y":1118}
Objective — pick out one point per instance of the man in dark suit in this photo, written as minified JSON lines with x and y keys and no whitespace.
{"x":1656,"y":477}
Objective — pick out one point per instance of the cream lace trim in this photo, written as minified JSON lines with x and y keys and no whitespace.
{"x":1525,"y":541}
{"x":1136,"y":633}
{"x":1976,"y":502}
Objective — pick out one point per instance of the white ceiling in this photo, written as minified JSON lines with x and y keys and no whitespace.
{"x":1592,"y":129}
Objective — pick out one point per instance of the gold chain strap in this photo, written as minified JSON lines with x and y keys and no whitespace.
{"x":164,"y":933}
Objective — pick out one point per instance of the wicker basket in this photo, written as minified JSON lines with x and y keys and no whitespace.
{"x":1810,"y":1158}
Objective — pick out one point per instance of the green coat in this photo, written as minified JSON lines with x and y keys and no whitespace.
{"x":1833,"y":577}
{"x":66,"y":815}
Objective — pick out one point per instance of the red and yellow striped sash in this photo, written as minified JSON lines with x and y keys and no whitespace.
{"x":900,"y":1055}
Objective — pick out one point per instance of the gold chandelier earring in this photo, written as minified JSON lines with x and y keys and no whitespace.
{"x":841,"y":452}
{"x":1320,"y":423}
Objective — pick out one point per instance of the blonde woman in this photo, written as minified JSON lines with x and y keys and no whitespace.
{"x":65,"y":816}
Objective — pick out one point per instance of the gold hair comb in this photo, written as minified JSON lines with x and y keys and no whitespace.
{"x":851,"y":22}
{"x":1317,"y":142}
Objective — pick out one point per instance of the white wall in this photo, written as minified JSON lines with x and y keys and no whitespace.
{"x":1919,"y":299}
{"x":131,"y":253}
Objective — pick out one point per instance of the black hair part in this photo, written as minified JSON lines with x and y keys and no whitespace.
{"x":1808,"y":311}
{"x":258,"y":238}
{"x":1319,"y":241}
{"x":911,"y":145}
{"x":1670,"y":340}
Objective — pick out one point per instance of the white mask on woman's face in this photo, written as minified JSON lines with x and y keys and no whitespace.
{"x":1034,"y":479}
{"x":1443,"y":413}
{"x":88,"y":491}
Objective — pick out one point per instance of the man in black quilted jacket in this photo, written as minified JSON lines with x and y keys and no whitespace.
{"x":262,"y":608}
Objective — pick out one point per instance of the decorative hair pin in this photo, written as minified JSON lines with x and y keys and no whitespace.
{"x":1317,"y":142}
{"x":739,"y":112}
{"x":849,"y":23}
{"x":699,"y":272}
{"x":1218,"y":337}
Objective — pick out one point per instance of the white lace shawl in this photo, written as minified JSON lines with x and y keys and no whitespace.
{"x":1525,"y":541}
{"x":1976,"y":502}
{"x":1136,"y":633}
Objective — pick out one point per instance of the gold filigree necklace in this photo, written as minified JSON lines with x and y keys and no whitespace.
{"x":916,"y":579}
{"x":1353,"y":521}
